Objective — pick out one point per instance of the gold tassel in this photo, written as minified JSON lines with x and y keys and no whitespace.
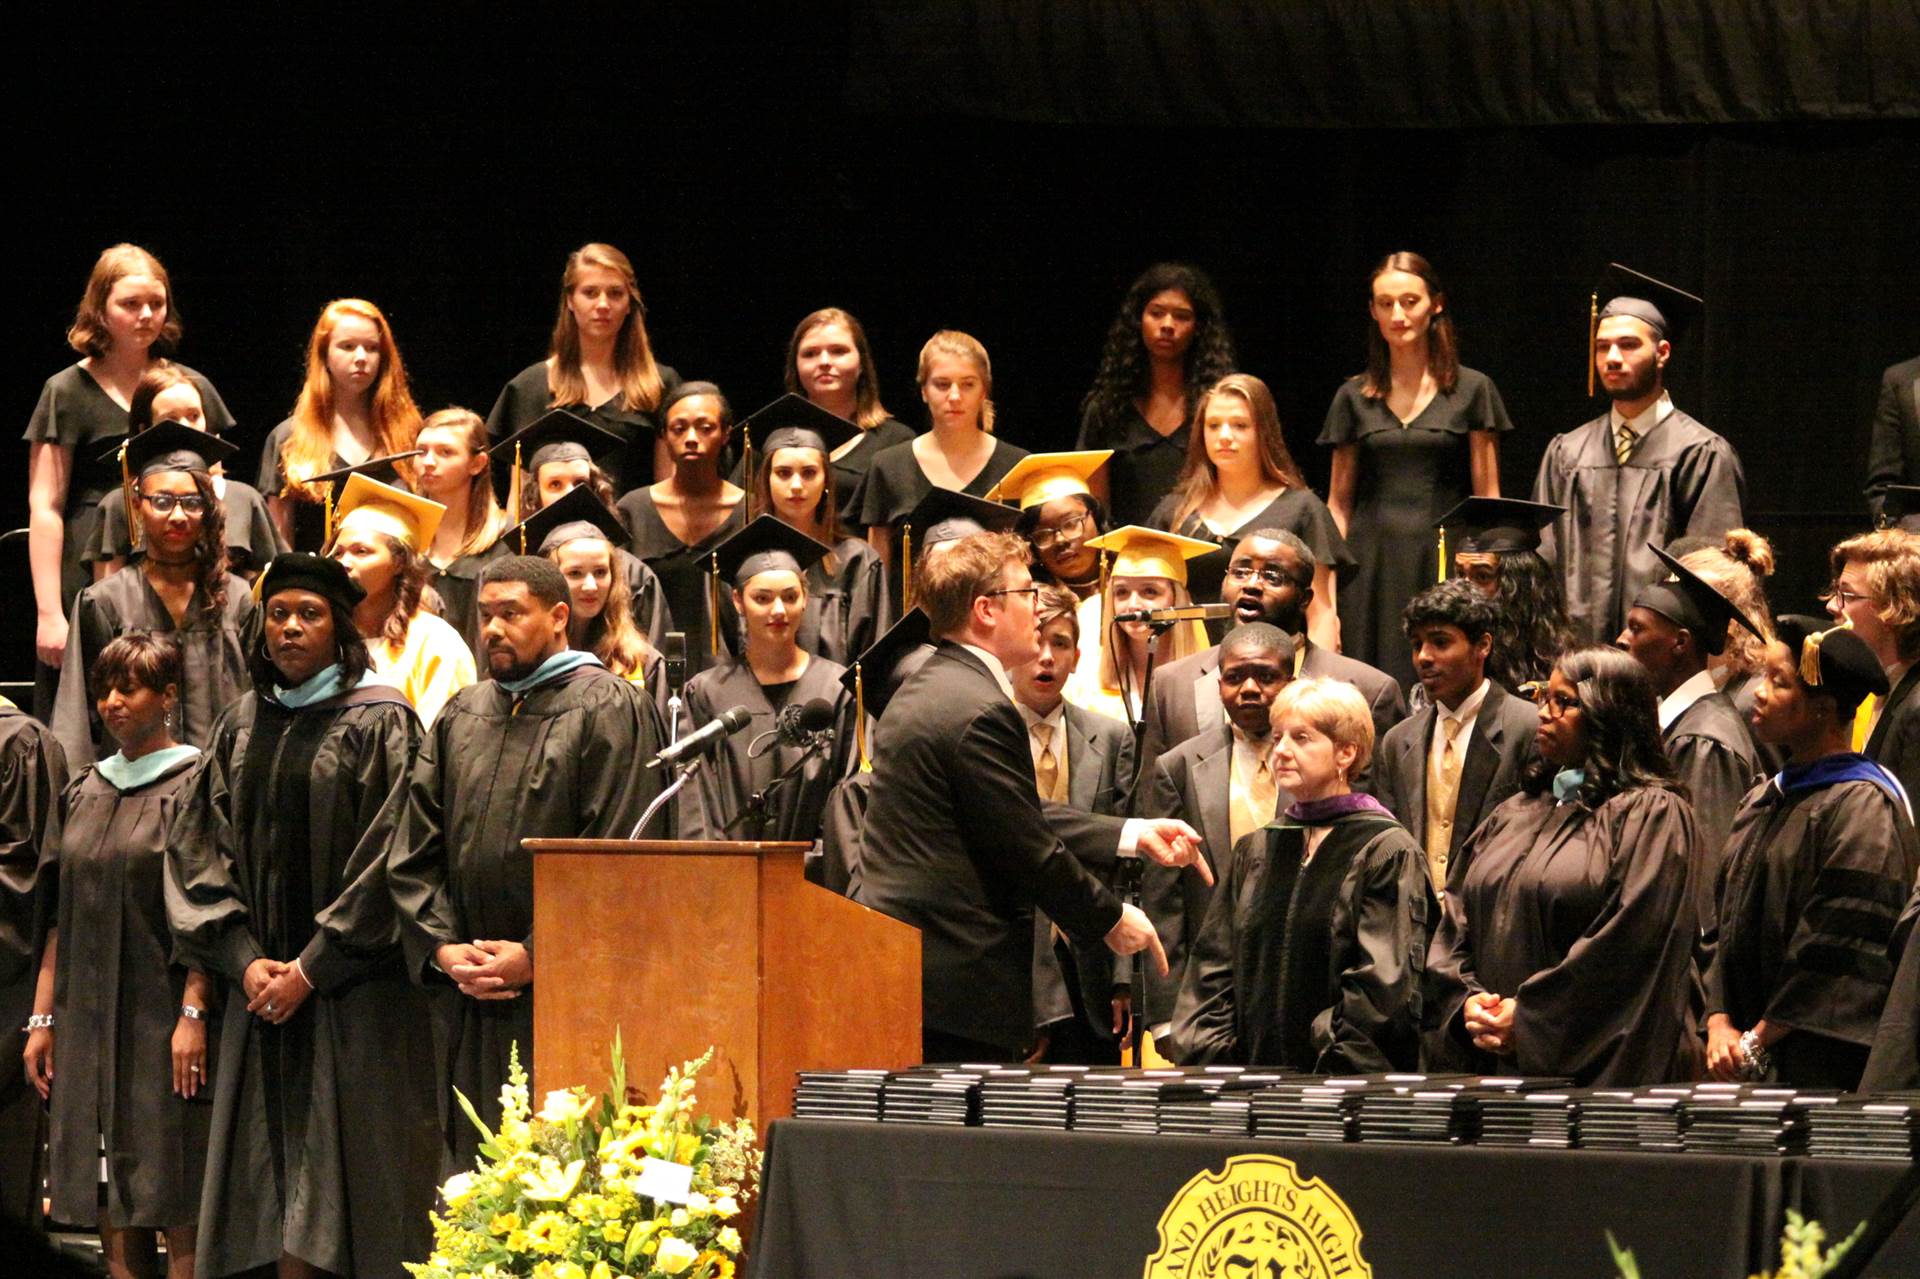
{"x":126,"y":495}
{"x":906,"y":568}
{"x":1593,"y":333}
{"x":513,"y":498}
{"x":713,"y":606}
{"x":1441,"y":533}
{"x":746,"y":455}
{"x":327,"y":505}
{"x":860,"y":719}
{"x":1810,"y":657}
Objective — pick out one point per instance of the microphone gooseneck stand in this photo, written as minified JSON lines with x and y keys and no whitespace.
{"x":1132,"y":870}
{"x":660,"y":800}
{"x":756,"y":805}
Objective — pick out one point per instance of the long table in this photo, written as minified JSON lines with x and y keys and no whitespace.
{"x":843,"y":1200}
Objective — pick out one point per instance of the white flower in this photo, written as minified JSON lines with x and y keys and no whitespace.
{"x":458,"y":1187}
{"x":728,"y":1238}
{"x":725,"y":1206}
{"x":699,"y":1203}
{"x":679,"y":1218}
{"x":564,"y":1106}
{"x":674,"y":1255}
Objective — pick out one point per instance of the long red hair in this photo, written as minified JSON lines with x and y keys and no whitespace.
{"x":396,"y":419}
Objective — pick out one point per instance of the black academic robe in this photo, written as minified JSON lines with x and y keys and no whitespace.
{"x":1713,"y":752}
{"x":1682,"y":480}
{"x":1499,"y":749}
{"x":723,"y":786}
{"x":324,"y":1138}
{"x":561,"y":761}
{"x":33,"y":772}
{"x":1894,"y":454}
{"x":252,"y":537}
{"x":1585,"y":919}
{"x":1894,"y":1061}
{"x":1315,"y":966}
{"x":1894,"y":743}
{"x":957,"y":843}
{"x":683,"y":571}
{"x":214,"y":663}
{"x":845,"y":607}
{"x":457,"y":583}
{"x":526,"y":399}
{"x":117,"y":997}
{"x":1813,"y":884}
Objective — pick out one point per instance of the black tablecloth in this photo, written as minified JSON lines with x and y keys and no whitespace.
{"x":848,"y":1199}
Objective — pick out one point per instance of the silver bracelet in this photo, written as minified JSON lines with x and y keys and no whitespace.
{"x":40,"y":1021}
{"x":193,"y":1014}
{"x":1759,"y":1060}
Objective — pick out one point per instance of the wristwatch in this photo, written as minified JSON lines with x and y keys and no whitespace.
{"x":1759,"y":1060}
{"x":193,"y":1014}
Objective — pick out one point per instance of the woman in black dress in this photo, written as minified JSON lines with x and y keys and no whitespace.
{"x":1411,"y":437}
{"x":168,"y":393}
{"x":1565,"y":942}
{"x":126,"y":320}
{"x":131,"y":1023}
{"x":959,"y":453}
{"x":830,"y":363}
{"x":600,"y":365}
{"x":1168,"y":343}
{"x":354,"y":406}
{"x":1239,"y":477}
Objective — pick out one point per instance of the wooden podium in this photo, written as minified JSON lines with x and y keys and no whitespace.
{"x":682,"y":945}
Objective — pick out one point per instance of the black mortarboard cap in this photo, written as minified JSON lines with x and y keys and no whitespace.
{"x":297,"y":570}
{"x":578,"y":513}
{"x":169,"y":446}
{"x":382,"y":469}
{"x":1689,"y":602}
{"x":946,"y":516}
{"x":795,"y":422}
{"x":876,"y":675}
{"x":1832,"y":659}
{"x":1497,"y":525}
{"x":1625,"y":291}
{"x":766,"y":545}
{"x":558,"y":436}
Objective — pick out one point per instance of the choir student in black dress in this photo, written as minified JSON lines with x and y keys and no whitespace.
{"x":1876,"y":591}
{"x":1239,"y":477}
{"x":830,"y":363}
{"x":1168,"y":343}
{"x":168,"y":393}
{"x":1059,"y":515}
{"x":1311,"y":954}
{"x":795,"y":481}
{"x":453,"y":470}
{"x":1565,"y":939}
{"x":599,"y":365}
{"x":1494,"y":543}
{"x":1411,"y":437}
{"x":960,"y":452}
{"x":126,"y":1024}
{"x":353,"y":406}
{"x":1821,"y":860}
{"x":678,"y":523}
{"x":126,"y":320}
{"x":763,"y":567}
{"x":178,"y":583}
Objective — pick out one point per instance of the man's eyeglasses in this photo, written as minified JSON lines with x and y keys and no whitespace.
{"x":1031,"y":592}
{"x":163,"y":503}
{"x":1244,"y":573}
{"x":1840,"y":595}
{"x":1045,"y":539}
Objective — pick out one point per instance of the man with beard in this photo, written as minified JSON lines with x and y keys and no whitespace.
{"x":1461,"y":755}
{"x":1642,"y":473}
{"x":1269,"y":579}
{"x":549,"y":747}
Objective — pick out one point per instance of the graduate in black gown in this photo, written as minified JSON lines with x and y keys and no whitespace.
{"x":1876,"y":591}
{"x":1494,"y":543}
{"x":1565,"y":940}
{"x":1311,"y":954}
{"x":794,"y":480}
{"x":677,"y":523}
{"x":1821,"y":860}
{"x":453,"y":469}
{"x":324,"y":1152}
{"x":599,"y":366}
{"x":177,"y":583}
{"x":830,"y":363}
{"x":127,"y":1024}
{"x":550,"y":746}
{"x":871,"y":681}
{"x":1059,"y":515}
{"x":1643,"y":472}
{"x":1894,"y":1061}
{"x":1168,"y":343}
{"x":763,"y":567}
{"x":169,"y":393}
{"x":1738,"y":566}
{"x":33,"y":773}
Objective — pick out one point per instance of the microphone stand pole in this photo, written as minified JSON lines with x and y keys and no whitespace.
{"x":1132,"y":870}
{"x":659,"y":801}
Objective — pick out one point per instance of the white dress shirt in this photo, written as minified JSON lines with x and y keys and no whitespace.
{"x":1675,"y":704}
{"x":1467,"y":713}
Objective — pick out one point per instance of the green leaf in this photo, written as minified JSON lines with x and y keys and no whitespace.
{"x":473,"y":1115}
{"x":1622,"y":1258}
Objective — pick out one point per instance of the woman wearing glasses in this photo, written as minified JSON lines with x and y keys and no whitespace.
{"x":1566,"y":933}
{"x":177,"y":584}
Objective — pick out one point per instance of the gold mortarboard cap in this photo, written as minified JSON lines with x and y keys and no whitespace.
{"x":1039,"y":478}
{"x":386,"y":509}
{"x":1150,"y":552}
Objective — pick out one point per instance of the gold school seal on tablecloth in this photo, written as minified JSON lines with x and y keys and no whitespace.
{"x":1257,"y":1217}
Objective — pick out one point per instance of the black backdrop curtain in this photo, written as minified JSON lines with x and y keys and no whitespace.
{"x":448,"y":175}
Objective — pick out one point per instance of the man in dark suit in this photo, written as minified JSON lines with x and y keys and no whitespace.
{"x":1894,"y":455}
{"x":1460,"y":756}
{"x":1219,"y":781}
{"x":956,"y":840}
{"x":1085,"y":761}
{"x":1269,"y":579}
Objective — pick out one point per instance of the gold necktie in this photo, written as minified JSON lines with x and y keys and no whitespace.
{"x":1623,"y":441}
{"x":1046,"y":773}
{"x":1443,"y":794}
{"x":1863,"y":721}
{"x":1253,"y":801}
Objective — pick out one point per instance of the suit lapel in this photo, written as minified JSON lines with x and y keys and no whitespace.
{"x":1482,"y":763}
{"x":1086,"y":762}
{"x":1208,"y":711}
{"x":1213,"y":783}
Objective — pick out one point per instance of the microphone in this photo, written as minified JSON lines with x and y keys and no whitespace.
{"x":1184,"y":613}
{"x":704,"y":738}
{"x":797,"y":724}
{"x":675,"y":654}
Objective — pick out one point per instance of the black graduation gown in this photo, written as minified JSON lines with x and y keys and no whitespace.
{"x":33,"y":772}
{"x":1681,"y":481}
{"x":1313,"y":967}
{"x":895,"y":484}
{"x":1814,"y":882}
{"x":324,"y":1143}
{"x":563,"y":761}
{"x":457,"y":583}
{"x":526,"y":399}
{"x":1894,"y":743}
{"x":845,"y":608}
{"x":729,"y":778}
{"x":1894,"y":1061}
{"x":682,"y":569}
{"x":117,"y":997}
{"x":252,"y":538}
{"x":1585,"y":919}
{"x":1295,"y":511}
{"x":214,"y":664}
{"x":1714,"y":754}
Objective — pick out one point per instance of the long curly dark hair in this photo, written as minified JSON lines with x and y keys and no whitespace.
{"x":1622,"y":717}
{"x":209,"y":549}
{"x":1531,"y":629}
{"x":410,"y":573}
{"x":1125,"y":371}
{"x":349,"y":650}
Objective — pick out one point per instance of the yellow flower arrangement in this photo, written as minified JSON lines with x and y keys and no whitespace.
{"x":560,"y":1194}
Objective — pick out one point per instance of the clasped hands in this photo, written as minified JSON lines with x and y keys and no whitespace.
{"x":1489,"y":1021}
{"x":274,"y":990}
{"x":487,"y":969}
